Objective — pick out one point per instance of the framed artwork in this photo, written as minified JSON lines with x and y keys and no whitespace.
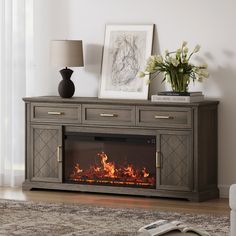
{"x":126,"y":49}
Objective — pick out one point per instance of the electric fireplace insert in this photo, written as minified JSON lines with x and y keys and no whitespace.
{"x":110,"y":159}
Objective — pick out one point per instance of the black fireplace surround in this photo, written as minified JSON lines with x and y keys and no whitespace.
{"x":110,"y":159}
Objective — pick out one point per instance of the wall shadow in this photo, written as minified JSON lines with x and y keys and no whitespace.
{"x":93,"y":58}
{"x":156,"y":84}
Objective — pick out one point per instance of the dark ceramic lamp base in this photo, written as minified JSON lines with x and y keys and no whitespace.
{"x":66,"y":87}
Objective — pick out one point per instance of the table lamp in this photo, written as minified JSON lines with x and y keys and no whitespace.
{"x":67,"y":53}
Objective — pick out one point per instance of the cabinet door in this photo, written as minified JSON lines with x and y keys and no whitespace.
{"x":46,"y":153}
{"x":174,"y":160}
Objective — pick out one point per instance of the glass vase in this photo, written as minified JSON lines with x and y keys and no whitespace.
{"x":179,"y":82}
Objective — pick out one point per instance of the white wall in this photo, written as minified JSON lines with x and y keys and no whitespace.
{"x":209,"y":23}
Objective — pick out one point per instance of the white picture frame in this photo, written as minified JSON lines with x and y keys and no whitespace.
{"x":126,"y":50}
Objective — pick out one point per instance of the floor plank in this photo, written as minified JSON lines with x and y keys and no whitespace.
{"x":215,"y":206}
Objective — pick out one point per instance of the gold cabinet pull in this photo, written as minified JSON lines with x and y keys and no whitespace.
{"x":158,"y":159}
{"x":55,"y":113}
{"x":59,"y":153}
{"x":164,"y":117}
{"x":108,"y":115}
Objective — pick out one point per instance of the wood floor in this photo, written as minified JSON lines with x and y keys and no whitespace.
{"x":216,"y":206}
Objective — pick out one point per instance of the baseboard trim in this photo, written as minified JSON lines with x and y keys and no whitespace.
{"x":224,"y":191}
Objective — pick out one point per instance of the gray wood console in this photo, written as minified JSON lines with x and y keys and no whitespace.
{"x":186,"y":142}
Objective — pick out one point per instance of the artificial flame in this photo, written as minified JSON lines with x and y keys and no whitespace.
{"x":77,"y":169}
{"x":145,"y":173}
{"x":107,"y":172}
{"x":129,"y":171}
{"x":108,"y":167}
{"x":97,"y":169}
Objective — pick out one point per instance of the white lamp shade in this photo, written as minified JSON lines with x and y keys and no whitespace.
{"x":67,"y":53}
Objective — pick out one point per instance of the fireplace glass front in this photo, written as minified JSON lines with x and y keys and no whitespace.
{"x":110,"y":159}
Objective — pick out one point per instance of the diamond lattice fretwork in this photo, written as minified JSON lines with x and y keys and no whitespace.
{"x":45,"y":153}
{"x":174,"y":149}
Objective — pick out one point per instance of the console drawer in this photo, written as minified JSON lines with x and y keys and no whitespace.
{"x":108,"y":114}
{"x":164,"y":117}
{"x":56,"y":113}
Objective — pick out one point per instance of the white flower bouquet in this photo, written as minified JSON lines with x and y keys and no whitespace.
{"x":176,"y":67}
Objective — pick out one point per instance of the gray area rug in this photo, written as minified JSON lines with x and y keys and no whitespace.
{"x":30,"y":218}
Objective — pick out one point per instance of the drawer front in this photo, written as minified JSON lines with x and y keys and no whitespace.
{"x":108,"y":115}
{"x":56,"y":113}
{"x":164,"y":117}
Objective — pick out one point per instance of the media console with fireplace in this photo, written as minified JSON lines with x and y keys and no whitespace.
{"x":122,"y":147}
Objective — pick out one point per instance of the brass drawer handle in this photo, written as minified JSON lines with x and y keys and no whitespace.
{"x":59,"y":154}
{"x":108,"y":115}
{"x":55,"y":113}
{"x":164,"y":117}
{"x":158,"y":160}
